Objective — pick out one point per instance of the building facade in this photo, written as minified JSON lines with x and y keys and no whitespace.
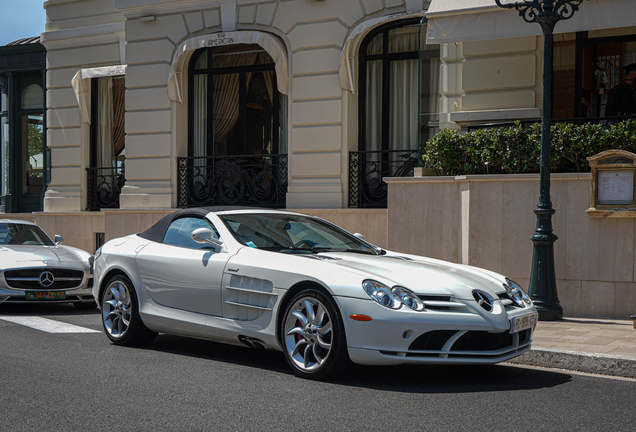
{"x":152,"y":105}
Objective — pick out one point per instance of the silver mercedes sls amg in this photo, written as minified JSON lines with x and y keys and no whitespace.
{"x":34,"y":269}
{"x":298,"y":284}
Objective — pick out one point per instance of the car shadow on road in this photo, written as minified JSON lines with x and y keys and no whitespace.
{"x":429,"y":379}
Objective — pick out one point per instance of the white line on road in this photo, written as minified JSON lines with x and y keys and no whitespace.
{"x":47,"y":325}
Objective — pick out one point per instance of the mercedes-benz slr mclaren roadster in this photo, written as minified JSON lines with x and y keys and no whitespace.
{"x":290,"y":282}
{"x":34,"y":269}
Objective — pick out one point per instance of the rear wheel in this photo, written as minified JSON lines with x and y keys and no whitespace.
{"x":313,"y":336}
{"x":120,"y":314}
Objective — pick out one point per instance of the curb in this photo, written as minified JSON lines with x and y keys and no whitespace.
{"x":616,"y":365}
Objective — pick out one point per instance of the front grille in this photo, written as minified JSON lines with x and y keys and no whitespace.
{"x":29,"y":278}
{"x":470,"y":341}
{"x":432,"y":341}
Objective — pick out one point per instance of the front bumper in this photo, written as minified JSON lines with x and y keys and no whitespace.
{"x":394,"y":337}
{"x":81,"y":294}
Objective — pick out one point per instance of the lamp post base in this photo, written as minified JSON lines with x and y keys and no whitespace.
{"x":549,"y":311}
{"x":543,"y":287}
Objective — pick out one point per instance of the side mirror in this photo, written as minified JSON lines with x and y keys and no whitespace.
{"x":205,"y":235}
{"x":58,"y":239}
{"x":358,"y":235}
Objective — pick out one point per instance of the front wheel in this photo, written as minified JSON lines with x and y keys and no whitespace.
{"x":120,"y":314}
{"x":313,"y":336}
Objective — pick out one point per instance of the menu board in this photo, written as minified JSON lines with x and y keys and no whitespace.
{"x":616,"y":187}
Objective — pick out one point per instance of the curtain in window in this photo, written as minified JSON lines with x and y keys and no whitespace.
{"x":119,"y":114}
{"x":200,"y":114}
{"x":403,"y":103}
{"x":374,"y":105}
{"x":226,"y":92}
{"x":106,"y":150}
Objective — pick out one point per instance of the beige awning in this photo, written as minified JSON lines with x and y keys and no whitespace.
{"x":467,"y":20}
{"x":81,"y":83}
{"x":351,"y":45}
{"x":270,"y":43}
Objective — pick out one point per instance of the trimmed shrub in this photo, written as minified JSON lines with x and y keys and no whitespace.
{"x":516,"y":150}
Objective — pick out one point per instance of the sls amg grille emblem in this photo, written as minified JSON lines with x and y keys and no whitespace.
{"x":46,"y":279}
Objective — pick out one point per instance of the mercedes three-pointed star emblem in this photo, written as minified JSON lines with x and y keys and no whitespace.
{"x":46,"y":279}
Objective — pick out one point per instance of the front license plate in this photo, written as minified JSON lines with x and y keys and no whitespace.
{"x":45,"y":295}
{"x":524,"y":322}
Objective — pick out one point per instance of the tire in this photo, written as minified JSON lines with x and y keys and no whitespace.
{"x":85,"y":306}
{"x":313,"y":336}
{"x":120,"y":314}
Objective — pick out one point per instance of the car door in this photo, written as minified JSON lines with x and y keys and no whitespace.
{"x":181,"y":273}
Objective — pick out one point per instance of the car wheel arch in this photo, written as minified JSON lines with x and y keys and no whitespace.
{"x":108,"y":277}
{"x":289,"y":296}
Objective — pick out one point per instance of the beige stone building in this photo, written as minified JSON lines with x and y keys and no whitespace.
{"x":152,"y":105}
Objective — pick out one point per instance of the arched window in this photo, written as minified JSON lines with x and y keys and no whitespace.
{"x":389,"y":85}
{"x":235,"y":154}
{"x":234,"y":102}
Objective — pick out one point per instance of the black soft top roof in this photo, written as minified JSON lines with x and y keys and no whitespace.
{"x":157,"y":232}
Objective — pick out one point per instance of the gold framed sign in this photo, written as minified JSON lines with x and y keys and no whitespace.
{"x":613,"y":192}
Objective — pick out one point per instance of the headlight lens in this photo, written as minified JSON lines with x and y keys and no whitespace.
{"x":407,"y":298}
{"x":517,"y":293}
{"x":98,"y":253}
{"x":381,"y":294}
{"x":392,"y":298}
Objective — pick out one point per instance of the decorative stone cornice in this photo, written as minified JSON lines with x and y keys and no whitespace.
{"x":137,"y":8}
{"x":83,"y":36}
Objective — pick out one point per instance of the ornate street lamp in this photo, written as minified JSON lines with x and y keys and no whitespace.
{"x":543,"y":288}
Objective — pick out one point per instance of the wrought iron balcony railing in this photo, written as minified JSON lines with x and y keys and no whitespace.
{"x":368,"y":168}
{"x":104,"y":187}
{"x":254,"y":180}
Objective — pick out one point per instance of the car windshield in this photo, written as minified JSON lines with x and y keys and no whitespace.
{"x":23,"y":234}
{"x":293,"y":234}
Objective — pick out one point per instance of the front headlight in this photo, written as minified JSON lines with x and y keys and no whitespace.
{"x":393,"y":298}
{"x":517,"y":293}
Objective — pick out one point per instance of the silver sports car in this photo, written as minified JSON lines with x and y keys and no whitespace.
{"x":35,"y":269}
{"x":290,"y":282}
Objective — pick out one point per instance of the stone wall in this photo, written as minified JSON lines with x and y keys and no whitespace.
{"x":486,"y":221}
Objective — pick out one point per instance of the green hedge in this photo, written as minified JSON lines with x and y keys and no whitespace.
{"x":515,"y":150}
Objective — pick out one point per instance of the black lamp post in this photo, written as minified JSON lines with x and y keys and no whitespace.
{"x":543,"y":287}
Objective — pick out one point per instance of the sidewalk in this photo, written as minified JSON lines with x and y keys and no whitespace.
{"x":601,"y":346}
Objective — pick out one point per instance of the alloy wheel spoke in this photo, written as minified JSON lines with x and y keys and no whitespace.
{"x":316,"y":352}
{"x":322,"y":343}
{"x":301,"y":318}
{"x":301,"y":343}
{"x":295,"y":330}
{"x":110,"y":315}
{"x":306,"y":357}
{"x":111,"y":303}
{"x":320,"y":315}
{"x":322,"y":331}
{"x":115,"y":293}
{"x":310,"y":311}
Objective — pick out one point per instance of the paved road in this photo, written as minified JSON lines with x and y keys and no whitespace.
{"x":54,"y":379}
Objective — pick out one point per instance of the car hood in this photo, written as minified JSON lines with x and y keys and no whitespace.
{"x":12,"y":256}
{"x":419,"y":274}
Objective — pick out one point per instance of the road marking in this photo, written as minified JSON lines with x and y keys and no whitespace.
{"x":46,"y":325}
